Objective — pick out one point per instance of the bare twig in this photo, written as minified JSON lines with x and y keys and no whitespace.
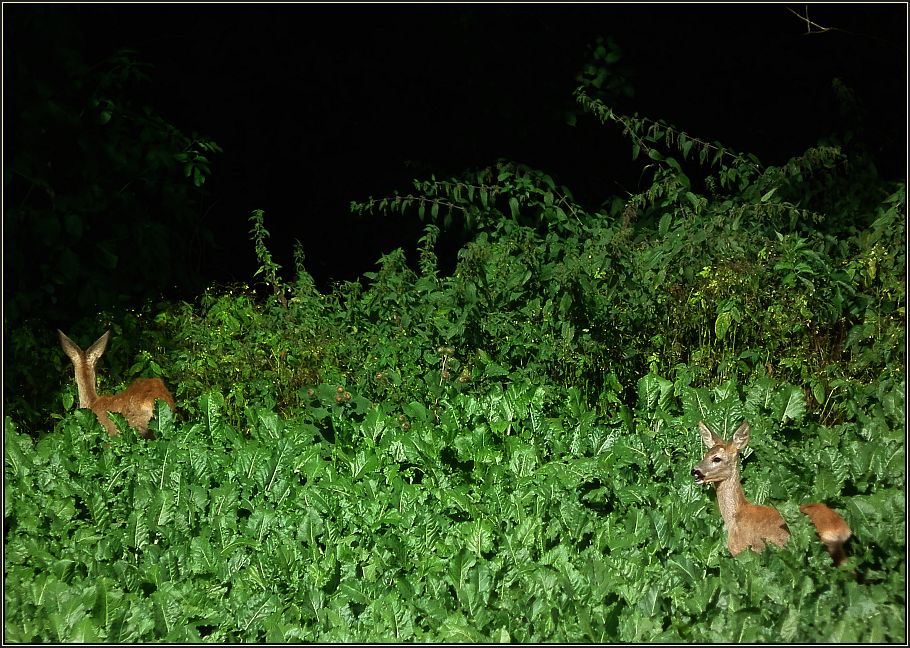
{"x":819,"y":29}
{"x":810,"y":24}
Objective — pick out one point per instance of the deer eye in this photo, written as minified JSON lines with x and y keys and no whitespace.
{"x":715,"y":460}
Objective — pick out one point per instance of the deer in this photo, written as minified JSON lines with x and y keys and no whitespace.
{"x":752,"y":525}
{"x":136,"y":403}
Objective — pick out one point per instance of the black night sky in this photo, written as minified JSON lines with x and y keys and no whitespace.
{"x":316,"y":105}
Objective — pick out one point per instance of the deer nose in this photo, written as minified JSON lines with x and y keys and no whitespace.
{"x":697,"y":474}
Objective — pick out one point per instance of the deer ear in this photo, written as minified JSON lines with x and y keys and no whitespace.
{"x":98,"y":346}
{"x":707,"y":436}
{"x":741,"y":436}
{"x":69,"y":347}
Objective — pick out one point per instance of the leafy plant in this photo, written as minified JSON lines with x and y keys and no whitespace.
{"x":502,"y":452}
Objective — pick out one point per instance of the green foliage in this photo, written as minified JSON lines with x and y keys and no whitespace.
{"x":724,"y":290}
{"x":268,"y":268}
{"x":502,"y":453}
{"x":258,"y":354}
{"x":603,"y":75}
{"x":486,"y":524}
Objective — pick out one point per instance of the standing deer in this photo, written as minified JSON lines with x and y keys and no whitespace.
{"x":750,"y":525}
{"x":136,"y":403}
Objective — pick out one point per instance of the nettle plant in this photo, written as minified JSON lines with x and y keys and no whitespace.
{"x":745,"y":277}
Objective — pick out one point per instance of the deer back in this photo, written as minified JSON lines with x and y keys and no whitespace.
{"x":136,"y":403}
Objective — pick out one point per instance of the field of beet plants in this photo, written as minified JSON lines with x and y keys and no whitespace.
{"x":498,"y":451}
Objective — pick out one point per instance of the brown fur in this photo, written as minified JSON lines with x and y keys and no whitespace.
{"x":136,"y":403}
{"x":750,"y":525}
{"x":832,"y":529}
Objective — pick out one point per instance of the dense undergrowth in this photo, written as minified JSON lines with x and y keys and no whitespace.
{"x":501,"y":453}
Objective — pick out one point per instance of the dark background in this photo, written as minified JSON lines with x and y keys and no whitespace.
{"x":318,"y":105}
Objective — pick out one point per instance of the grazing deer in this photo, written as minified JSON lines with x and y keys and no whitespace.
{"x":136,"y":403}
{"x":750,"y":525}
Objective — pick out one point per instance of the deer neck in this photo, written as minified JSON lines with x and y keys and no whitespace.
{"x":85,"y":383}
{"x":730,"y":499}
